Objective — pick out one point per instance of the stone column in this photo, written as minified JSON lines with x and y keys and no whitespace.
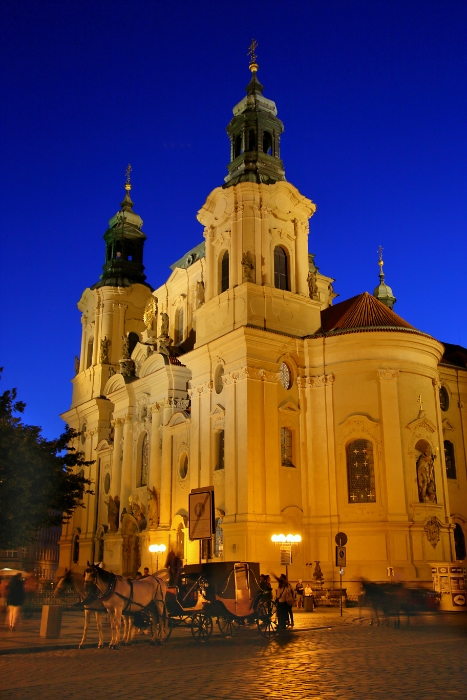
{"x":230,"y":446}
{"x":392,"y":444}
{"x":271,"y":443}
{"x":116,"y":475}
{"x":82,"y":357}
{"x":155,"y":453}
{"x":126,"y":482}
{"x":301,"y":257}
{"x":166,"y":469}
{"x":97,"y":325}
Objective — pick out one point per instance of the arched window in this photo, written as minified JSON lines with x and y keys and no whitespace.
{"x":178,"y":330}
{"x":143,"y":474}
{"x":118,"y":249}
{"x":360,"y":472}
{"x":459,"y":542}
{"x":252,"y":140}
{"x":225,"y":272}
{"x":183,"y":466}
{"x":89,"y":354}
{"x":450,"y":460}
{"x":286,"y":447}
{"x":75,"y":549}
{"x":281,"y":276}
{"x":238,"y":145}
{"x":267,"y":143}
{"x":130,"y":250}
{"x":220,"y":450}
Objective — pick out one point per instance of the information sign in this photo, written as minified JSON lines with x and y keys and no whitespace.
{"x":341,"y":556}
{"x":341,"y":539}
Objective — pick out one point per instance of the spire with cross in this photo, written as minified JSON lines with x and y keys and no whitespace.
{"x":252,"y":54}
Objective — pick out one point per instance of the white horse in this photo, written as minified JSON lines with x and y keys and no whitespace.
{"x":123,"y":597}
{"x":91,"y":601}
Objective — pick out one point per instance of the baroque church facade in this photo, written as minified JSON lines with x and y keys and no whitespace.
{"x":307,"y":416}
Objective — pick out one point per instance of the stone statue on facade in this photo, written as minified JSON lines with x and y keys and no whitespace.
{"x":113,"y":508}
{"x":104,"y":351}
{"x":150,"y":312}
{"x":426,"y":478}
{"x":125,"y":347}
{"x":248,"y":267}
{"x":313,"y":283}
{"x":153,"y":507}
{"x":164,"y":324}
{"x":200,"y":293}
{"x":318,"y":575}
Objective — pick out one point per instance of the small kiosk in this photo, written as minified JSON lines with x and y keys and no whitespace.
{"x":449,"y":580}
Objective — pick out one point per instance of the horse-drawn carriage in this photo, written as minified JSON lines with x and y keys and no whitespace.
{"x":225,"y":591}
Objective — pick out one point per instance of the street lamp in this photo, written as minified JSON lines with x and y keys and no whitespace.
{"x":286,"y":542}
{"x":157,"y":548}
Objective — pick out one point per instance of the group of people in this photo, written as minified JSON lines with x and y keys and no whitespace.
{"x":285,"y":597}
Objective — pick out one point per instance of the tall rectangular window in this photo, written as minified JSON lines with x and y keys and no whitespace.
{"x":220,"y":450}
{"x":360,"y":472}
{"x":286,"y":447}
{"x":450,"y":460}
{"x":281,"y":276}
{"x":225,"y":272}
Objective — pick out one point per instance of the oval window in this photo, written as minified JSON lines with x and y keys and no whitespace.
{"x":107,"y":483}
{"x":218,"y":383}
{"x":444,"y":398}
{"x":285,"y":376}
{"x":183,"y":468}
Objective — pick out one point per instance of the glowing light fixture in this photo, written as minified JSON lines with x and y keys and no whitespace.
{"x":286,"y":538}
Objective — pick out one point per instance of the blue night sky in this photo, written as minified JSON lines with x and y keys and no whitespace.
{"x":373,"y":98}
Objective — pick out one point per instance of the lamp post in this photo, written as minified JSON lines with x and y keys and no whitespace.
{"x":157,"y":548}
{"x":286,"y":542}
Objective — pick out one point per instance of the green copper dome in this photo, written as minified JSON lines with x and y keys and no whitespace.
{"x":383,"y":292}
{"x":254,"y":134}
{"x":124,"y":244}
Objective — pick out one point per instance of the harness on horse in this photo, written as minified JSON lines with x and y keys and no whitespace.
{"x":129,"y":600}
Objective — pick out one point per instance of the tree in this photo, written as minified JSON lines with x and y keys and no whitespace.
{"x":41,"y":481}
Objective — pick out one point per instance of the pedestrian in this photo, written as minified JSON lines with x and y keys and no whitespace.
{"x":145,"y":572}
{"x":299,"y":592}
{"x":308,"y":590}
{"x":284,"y":600}
{"x":138,"y":576}
{"x":14,"y":599}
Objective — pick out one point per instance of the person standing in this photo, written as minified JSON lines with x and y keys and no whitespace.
{"x":281,"y":600}
{"x":15,"y":596}
{"x":299,"y":592}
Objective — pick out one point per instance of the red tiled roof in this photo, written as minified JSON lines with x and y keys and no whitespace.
{"x":175,"y":361}
{"x":362,"y":311}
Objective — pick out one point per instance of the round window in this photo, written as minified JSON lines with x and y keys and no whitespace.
{"x":183,"y":468}
{"x":285,"y":376}
{"x":444,"y":398}
{"x":107,"y":483}
{"x":218,"y":383}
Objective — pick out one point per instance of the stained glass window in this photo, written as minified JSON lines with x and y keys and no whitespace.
{"x":285,"y":376}
{"x":360,"y":472}
{"x":286,"y":447}
{"x":144,"y":462}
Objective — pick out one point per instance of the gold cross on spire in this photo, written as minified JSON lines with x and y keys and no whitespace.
{"x":128,"y":184}
{"x":252,"y":54}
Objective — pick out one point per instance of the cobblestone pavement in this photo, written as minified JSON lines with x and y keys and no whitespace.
{"x":424,"y":662}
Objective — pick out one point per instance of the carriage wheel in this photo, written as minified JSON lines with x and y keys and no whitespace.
{"x":227,"y":625}
{"x":267,"y":621}
{"x":201,"y":627}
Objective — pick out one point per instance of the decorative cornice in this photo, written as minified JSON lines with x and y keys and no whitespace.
{"x":172,"y":402}
{"x":316,"y":381}
{"x":204,"y":388}
{"x":388,"y":374}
